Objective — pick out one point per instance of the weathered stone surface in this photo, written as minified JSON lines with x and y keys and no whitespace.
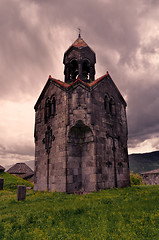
{"x":1,"y":183}
{"x":89,"y":150}
{"x":21,"y":192}
{"x":151,"y":177}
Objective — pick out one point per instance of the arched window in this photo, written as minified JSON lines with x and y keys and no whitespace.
{"x":86,"y":69}
{"x":106,"y":103}
{"x":112,"y":106}
{"x":47,"y":109}
{"x":53,"y":106}
{"x":74,"y":70}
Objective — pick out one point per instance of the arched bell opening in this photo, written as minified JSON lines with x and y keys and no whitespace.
{"x":80,"y":159}
{"x":74,"y":72}
{"x":86,"y":69}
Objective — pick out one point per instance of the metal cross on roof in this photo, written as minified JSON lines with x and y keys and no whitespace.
{"x":79,"y":35}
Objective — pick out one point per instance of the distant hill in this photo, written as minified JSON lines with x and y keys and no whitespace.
{"x":140,"y":162}
{"x":143,"y":162}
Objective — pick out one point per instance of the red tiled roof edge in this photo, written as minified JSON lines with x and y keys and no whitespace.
{"x":60,"y":82}
{"x":97,"y":80}
{"x":79,"y":42}
{"x":67,"y":86}
{"x":50,"y":79}
{"x":117,"y":89}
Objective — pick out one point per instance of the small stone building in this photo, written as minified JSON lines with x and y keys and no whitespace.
{"x":22,"y":170}
{"x":2,"y":169}
{"x":151,"y":177}
{"x":80,"y":129}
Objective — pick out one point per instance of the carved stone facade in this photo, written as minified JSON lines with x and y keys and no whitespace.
{"x":80,"y":129}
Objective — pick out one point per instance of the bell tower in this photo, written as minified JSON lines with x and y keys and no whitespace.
{"x":80,"y":129}
{"x":79,"y":61}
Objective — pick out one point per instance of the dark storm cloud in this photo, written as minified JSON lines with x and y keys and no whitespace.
{"x":17,"y":149}
{"x":35,"y":32}
{"x":23,"y":51}
{"x":14,"y":153}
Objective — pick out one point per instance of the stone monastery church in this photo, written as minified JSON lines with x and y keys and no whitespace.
{"x":80,"y":129}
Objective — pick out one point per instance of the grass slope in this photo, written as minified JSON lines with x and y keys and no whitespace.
{"x":129,"y":213}
{"x":12,"y":181}
{"x":144,"y":162}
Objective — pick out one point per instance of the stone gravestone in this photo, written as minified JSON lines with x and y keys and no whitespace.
{"x":21,"y":192}
{"x":1,"y":183}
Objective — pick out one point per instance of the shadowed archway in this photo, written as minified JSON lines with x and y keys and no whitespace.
{"x":81,"y":165}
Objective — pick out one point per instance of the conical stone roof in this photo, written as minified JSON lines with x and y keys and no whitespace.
{"x":20,"y":168}
{"x":79,"y":43}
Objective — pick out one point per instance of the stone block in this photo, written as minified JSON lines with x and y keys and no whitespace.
{"x":74,"y":164}
{"x":61,"y":187}
{"x":89,"y":170}
{"x":92,"y":178}
{"x":90,"y":187}
{"x":76,"y":171}
{"x":70,"y":179}
{"x":21,"y":192}
{"x":69,"y":171}
{"x":59,"y":165}
{"x":77,"y":178}
{"x":60,"y":179}
{"x":1,"y":183}
{"x":104,"y":177}
{"x":60,"y":172}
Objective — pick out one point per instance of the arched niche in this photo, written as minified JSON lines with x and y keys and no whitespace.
{"x":81,"y":165}
{"x":106,"y":103}
{"x":53,"y":106}
{"x":112,"y":106}
{"x":47,"y":109}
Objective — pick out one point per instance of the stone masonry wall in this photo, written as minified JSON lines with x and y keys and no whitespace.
{"x":89,"y":149}
{"x":81,"y":164}
{"x":57,"y":156}
{"x":111,"y":138}
{"x":150,"y":178}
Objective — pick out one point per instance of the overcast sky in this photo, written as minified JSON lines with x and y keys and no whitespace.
{"x":34,"y":35}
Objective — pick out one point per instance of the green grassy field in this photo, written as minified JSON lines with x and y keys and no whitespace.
{"x":129,"y":213}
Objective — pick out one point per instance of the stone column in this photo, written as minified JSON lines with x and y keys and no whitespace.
{"x":80,"y":68}
{"x":92,"y":73}
{"x":1,"y":183}
{"x":21,"y":192}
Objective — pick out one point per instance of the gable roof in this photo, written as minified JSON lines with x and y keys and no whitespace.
{"x":108,"y":77}
{"x":2,"y":168}
{"x":68,"y":87}
{"x":50,"y":80}
{"x":20,"y":168}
